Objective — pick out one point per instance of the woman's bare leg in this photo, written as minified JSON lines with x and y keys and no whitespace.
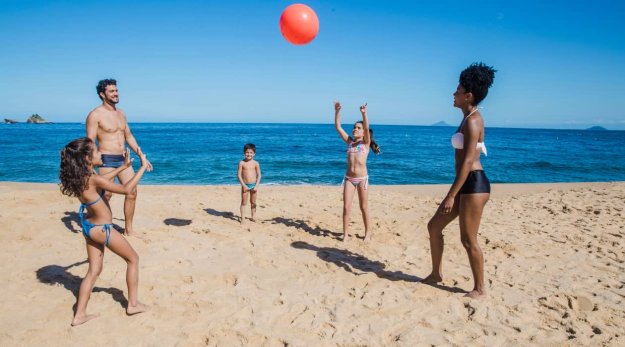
{"x":471,"y":208}
{"x":437,"y":243}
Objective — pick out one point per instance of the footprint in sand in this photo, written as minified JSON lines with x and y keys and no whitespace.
{"x":231,"y":280}
{"x":584,"y":303}
{"x":471,"y":310}
{"x":567,"y":311}
{"x":327,"y":331}
{"x":295,"y":312}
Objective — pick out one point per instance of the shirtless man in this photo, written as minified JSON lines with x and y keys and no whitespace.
{"x":108,"y":125}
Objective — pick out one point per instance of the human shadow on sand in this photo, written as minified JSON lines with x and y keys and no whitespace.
{"x":70,"y":219}
{"x":228,"y":215}
{"x":58,"y":275}
{"x":350,"y":261}
{"x":303,"y":225}
{"x":177,"y":222}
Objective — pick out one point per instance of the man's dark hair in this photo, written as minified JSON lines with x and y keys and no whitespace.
{"x":249,"y":146}
{"x":476,"y":79}
{"x":101,"y":87}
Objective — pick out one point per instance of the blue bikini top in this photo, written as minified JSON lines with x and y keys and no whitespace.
{"x":95,"y":202}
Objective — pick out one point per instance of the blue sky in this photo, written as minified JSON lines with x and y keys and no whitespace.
{"x":561,"y":63}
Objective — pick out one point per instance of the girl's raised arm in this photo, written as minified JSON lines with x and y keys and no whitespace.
{"x":104,"y":183}
{"x":365,"y":124}
{"x":337,"y":122}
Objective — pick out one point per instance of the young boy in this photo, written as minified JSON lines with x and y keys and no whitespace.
{"x":249,"y":177}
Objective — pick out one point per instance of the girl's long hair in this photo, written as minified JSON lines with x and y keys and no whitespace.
{"x":76,"y":166}
{"x":374,"y":146}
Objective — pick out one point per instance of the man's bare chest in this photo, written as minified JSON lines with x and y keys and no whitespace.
{"x":111,"y":125}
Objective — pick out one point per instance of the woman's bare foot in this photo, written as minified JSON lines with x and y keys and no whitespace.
{"x":476,"y":294}
{"x":367,"y":238}
{"x":345,"y":237}
{"x":130,"y":310}
{"x":431,"y":279}
{"x":80,"y":319}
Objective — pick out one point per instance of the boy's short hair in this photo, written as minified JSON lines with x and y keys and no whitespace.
{"x":249,"y":146}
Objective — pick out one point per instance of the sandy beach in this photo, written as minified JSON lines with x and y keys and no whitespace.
{"x":555,"y":269}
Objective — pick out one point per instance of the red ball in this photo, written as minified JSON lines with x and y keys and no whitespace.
{"x":299,"y":24}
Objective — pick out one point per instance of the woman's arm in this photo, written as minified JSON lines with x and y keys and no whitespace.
{"x":471,"y":135}
{"x":337,"y":122}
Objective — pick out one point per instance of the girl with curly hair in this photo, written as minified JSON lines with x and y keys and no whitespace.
{"x":471,"y":189}
{"x":78,"y":179}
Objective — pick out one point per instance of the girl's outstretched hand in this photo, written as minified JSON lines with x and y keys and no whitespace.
{"x":127,"y":159}
{"x":337,"y":106}
{"x":144,"y":160}
{"x":363,"y":108}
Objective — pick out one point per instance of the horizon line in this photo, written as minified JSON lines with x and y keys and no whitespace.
{"x":294,"y":123}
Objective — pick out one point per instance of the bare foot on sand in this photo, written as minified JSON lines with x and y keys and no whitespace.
{"x":130,"y":310}
{"x":367,"y":238}
{"x":345,"y":237}
{"x":432,"y":279}
{"x":132,"y":233}
{"x":476,"y":294}
{"x":80,"y":319}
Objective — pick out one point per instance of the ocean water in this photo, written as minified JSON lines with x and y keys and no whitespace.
{"x":208,"y":153}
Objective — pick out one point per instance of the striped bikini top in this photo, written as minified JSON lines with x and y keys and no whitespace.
{"x":356,"y":147}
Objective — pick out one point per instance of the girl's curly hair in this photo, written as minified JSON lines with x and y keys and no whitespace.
{"x":75,"y":166}
{"x":476,"y":79}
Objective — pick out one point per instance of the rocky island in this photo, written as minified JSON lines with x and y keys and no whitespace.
{"x":36,"y":119}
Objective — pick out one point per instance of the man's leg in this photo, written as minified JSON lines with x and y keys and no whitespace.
{"x":129,"y":203}
{"x":102,"y":171}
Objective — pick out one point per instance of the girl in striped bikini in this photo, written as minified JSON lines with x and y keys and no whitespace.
{"x":356,"y":177}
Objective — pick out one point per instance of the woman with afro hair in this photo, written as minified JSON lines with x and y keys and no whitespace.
{"x":471,"y":189}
